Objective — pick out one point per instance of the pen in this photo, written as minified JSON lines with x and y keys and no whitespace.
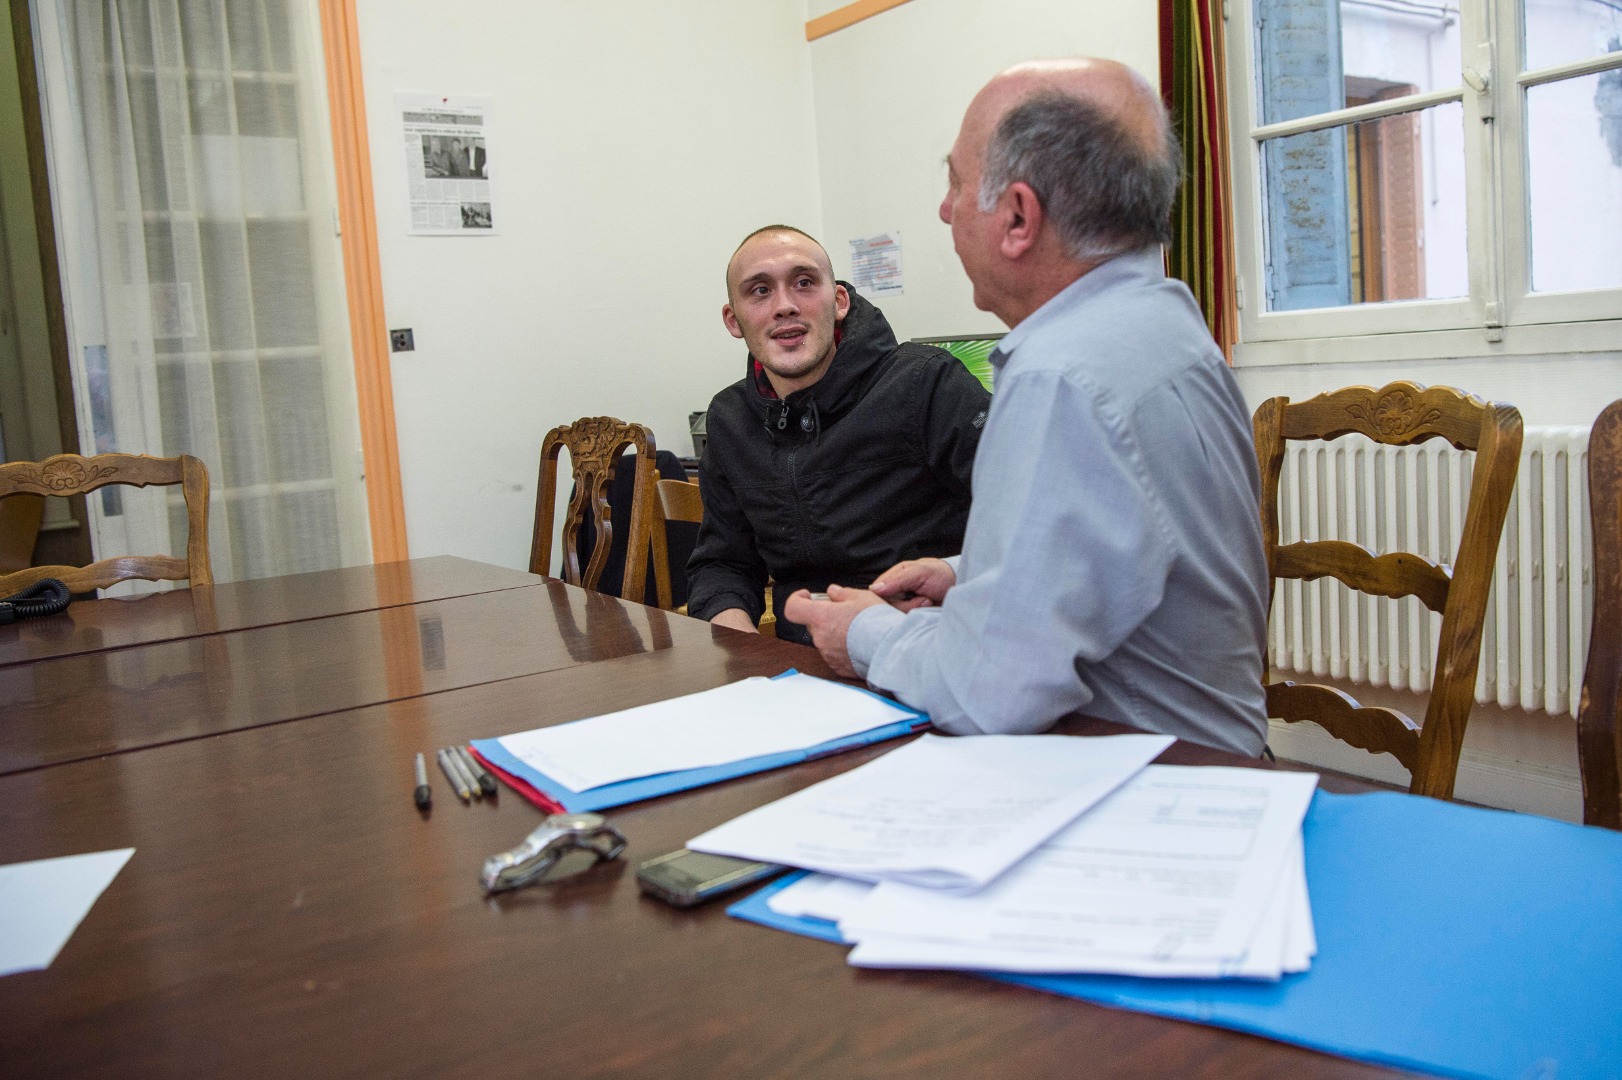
{"x":424,"y":794}
{"x":464,"y":772}
{"x":487,"y":783}
{"x":454,"y":777}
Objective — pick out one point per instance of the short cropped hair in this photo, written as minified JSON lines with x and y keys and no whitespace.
{"x":1104,"y":191}
{"x":761,"y":232}
{"x":775,"y":228}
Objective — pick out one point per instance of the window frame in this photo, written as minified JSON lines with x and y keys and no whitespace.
{"x":1500,"y":314}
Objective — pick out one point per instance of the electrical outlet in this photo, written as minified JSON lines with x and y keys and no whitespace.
{"x":402,"y":341}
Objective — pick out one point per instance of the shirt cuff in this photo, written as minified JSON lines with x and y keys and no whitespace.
{"x":867,"y":631}
{"x":953,"y":561}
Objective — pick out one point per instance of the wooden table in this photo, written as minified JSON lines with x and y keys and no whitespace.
{"x":288,"y":911}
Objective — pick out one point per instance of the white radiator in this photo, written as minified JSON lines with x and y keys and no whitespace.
{"x":1413,"y":498}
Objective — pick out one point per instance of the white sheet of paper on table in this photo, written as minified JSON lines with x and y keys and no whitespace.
{"x":749,"y":718}
{"x":944,"y":813}
{"x":43,"y":902}
{"x":1175,"y":874}
{"x":819,"y":896}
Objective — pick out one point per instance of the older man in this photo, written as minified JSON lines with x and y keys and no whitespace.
{"x":1113,"y":562}
{"x":837,"y":454}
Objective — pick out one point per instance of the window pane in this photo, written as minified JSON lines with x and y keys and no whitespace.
{"x":1368,"y":212}
{"x":1315,"y":56}
{"x":1561,"y":31}
{"x":1574,"y":173}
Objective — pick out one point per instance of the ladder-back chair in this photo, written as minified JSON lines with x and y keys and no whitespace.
{"x":1398,"y":414}
{"x":679,"y":500}
{"x":71,"y":474}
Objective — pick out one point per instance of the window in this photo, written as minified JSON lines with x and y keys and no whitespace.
{"x":1429,"y":166}
{"x":192,"y":183}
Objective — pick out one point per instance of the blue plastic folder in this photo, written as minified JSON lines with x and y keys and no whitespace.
{"x":649,"y":787}
{"x":1451,"y":940}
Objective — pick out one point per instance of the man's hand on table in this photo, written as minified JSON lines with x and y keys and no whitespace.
{"x":829,"y":621}
{"x":735,"y":619}
{"x":915,"y":583}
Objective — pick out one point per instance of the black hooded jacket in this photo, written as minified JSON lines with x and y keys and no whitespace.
{"x":841,"y":480}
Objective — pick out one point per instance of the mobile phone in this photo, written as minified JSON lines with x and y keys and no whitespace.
{"x":684,"y":878}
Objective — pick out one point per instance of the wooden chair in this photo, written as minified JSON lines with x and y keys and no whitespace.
{"x":1399,"y":414}
{"x":682,"y":501}
{"x":1598,"y":742}
{"x":20,"y":519}
{"x":595,"y":444}
{"x":70,"y":474}
{"x":678,"y":501}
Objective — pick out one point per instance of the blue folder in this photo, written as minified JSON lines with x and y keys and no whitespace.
{"x":1451,"y":940}
{"x":649,"y":787}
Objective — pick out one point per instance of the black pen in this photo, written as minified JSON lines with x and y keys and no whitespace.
{"x":481,"y":775}
{"x":424,"y":794}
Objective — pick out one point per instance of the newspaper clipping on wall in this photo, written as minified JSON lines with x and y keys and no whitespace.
{"x":448,"y":166}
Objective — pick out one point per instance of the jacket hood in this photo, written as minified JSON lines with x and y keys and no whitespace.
{"x":865,"y":342}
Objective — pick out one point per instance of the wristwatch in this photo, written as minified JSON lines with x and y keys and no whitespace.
{"x":556,"y":837}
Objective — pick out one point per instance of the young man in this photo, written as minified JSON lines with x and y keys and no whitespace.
{"x":1113,"y":564}
{"x":838,"y":454}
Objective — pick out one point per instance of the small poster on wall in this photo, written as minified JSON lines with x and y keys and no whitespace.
{"x":875,"y":264}
{"x":448,"y":166}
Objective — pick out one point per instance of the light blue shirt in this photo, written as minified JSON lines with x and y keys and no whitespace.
{"x":1113,"y":563}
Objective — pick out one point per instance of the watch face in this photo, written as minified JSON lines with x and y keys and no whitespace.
{"x":584,"y":823}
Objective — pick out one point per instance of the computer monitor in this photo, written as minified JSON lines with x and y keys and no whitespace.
{"x":974,"y":350}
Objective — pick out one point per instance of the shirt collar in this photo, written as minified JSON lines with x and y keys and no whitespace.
{"x":1146,"y":265}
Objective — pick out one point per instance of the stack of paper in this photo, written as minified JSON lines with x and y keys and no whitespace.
{"x":748,"y":719}
{"x":1182,"y":872}
{"x":940,"y":813}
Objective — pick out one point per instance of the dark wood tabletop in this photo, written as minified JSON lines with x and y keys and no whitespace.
{"x":239,"y":605}
{"x":288,"y":911}
{"x":75,"y":707}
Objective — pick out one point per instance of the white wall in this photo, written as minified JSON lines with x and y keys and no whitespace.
{"x":634,"y":142}
{"x":890,"y":92}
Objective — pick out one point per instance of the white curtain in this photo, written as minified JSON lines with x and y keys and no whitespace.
{"x":192,"y":175}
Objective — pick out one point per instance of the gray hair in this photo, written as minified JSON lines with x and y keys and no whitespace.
{"x":1104,"y":191}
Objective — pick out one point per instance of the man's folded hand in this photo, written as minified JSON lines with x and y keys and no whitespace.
{"x":915,"y":583}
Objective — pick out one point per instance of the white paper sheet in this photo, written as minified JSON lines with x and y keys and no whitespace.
{"x":1183,"y":871}
{"x":940,"y":812}
{"x":745,"y":719}
{"x":820,"y":896}
{"x":43,"y":902}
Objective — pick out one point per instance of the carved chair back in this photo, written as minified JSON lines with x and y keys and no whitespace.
{"x":70,"y":474}
{"x":1399,"y":414}
{"x":1599,"y":743}
{"x":595,"y":444}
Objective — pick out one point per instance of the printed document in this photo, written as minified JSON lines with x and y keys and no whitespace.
{"x":945,"y":813}
{"x":745,"y":719}
{"x":1181,"y":872}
